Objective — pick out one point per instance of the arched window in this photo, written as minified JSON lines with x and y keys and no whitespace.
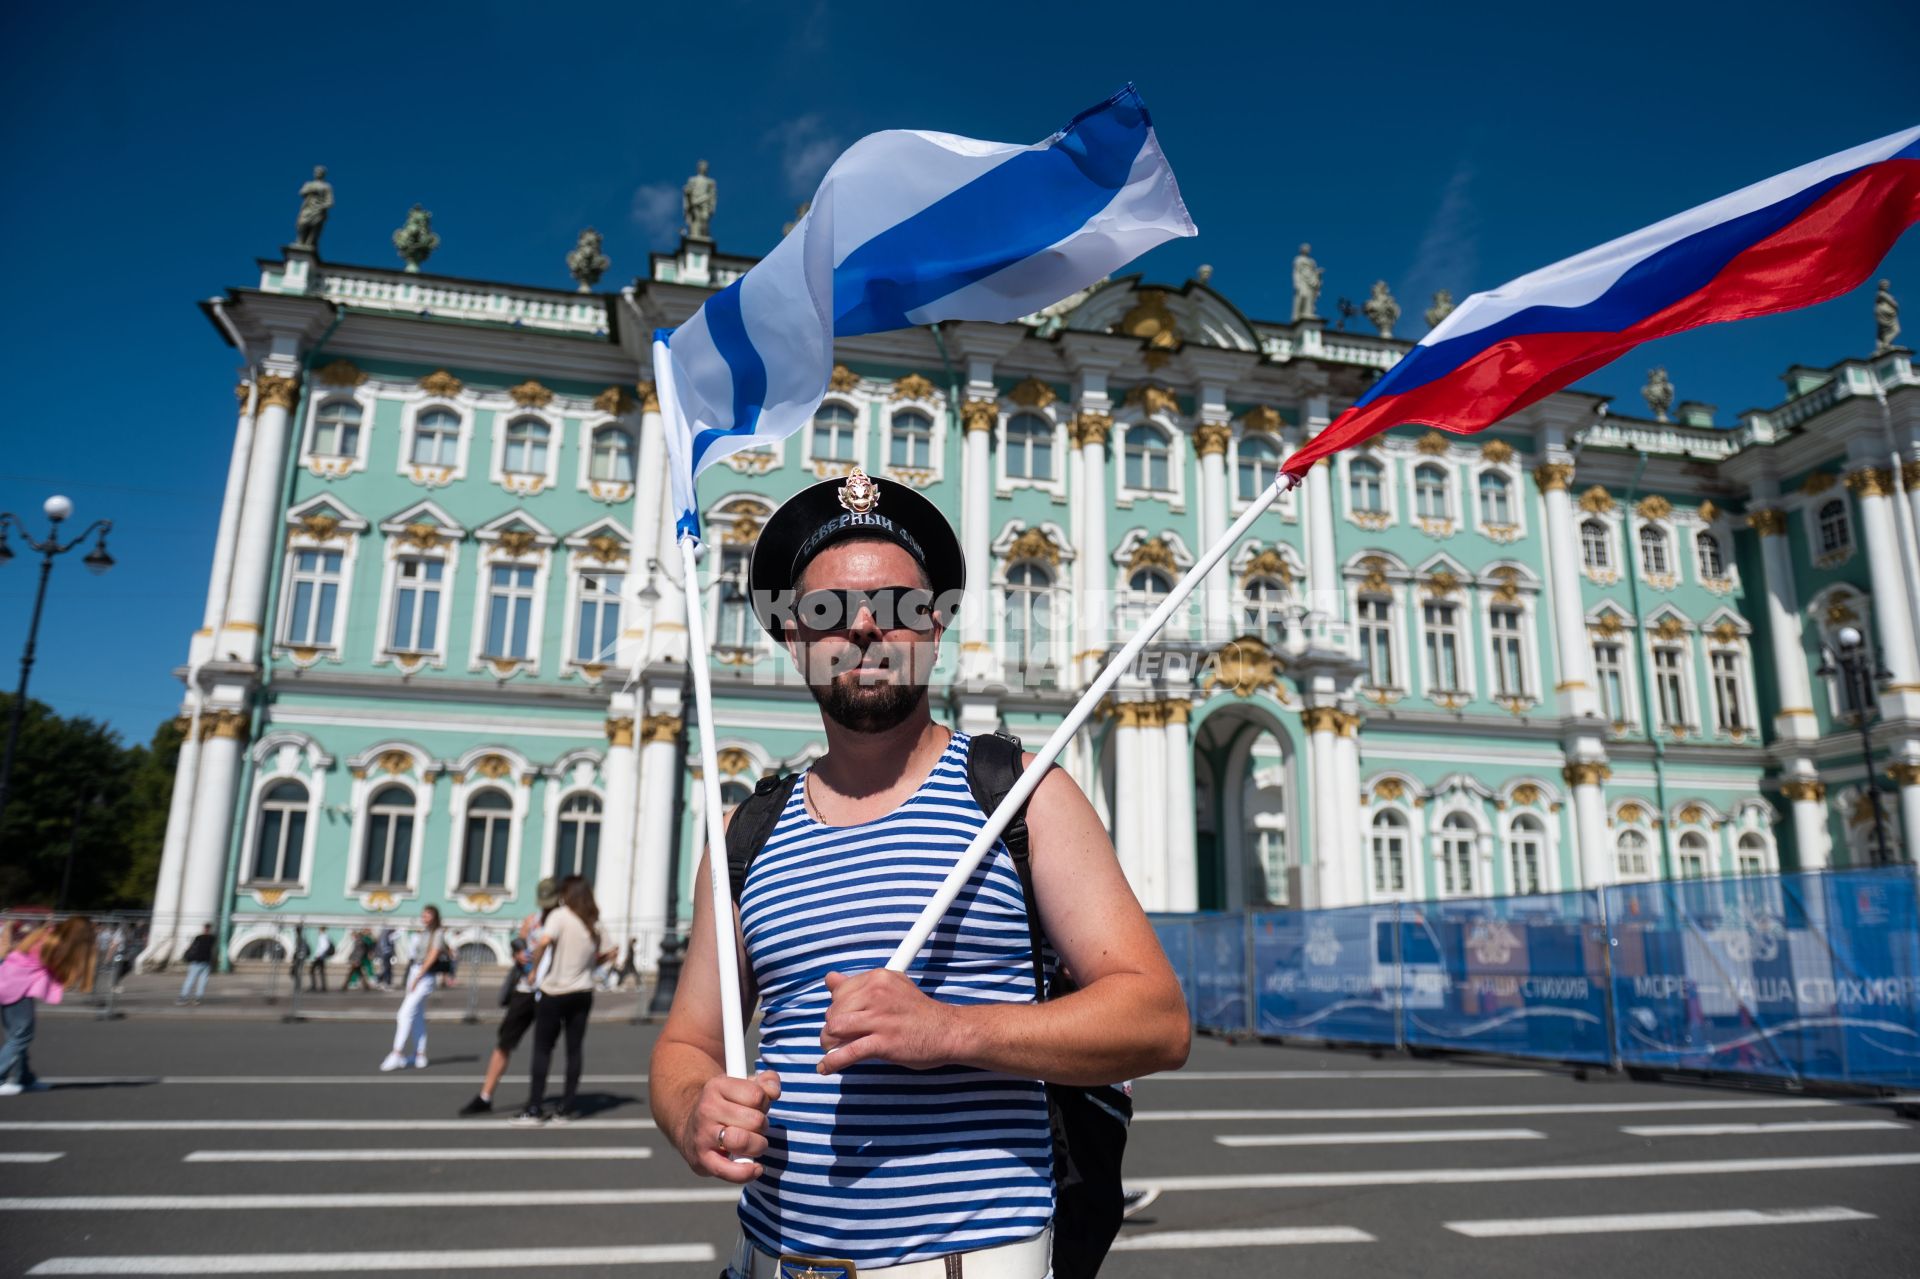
{"x":1029,"y":447}
{"x":1835,"y":530}
{"x":1389,"y":849}
{"x":526,"y":452}
{"x":912,"y":441}
{"x":734,"y":625}
{"x":1526,"y":849}
{"x":1430,"y":492}
{"x":1596,"y":545}
{"x":612,"y":460}
{"x":1693,"y":855}
{"x":1496,"y":498}
{"x":336,"y":429}
{"x":1029,"y":620}
{"x":483,"y":863}
{"x":733,"y":793}
{"x":1145,"y":587}
{"x":436,"y":438}
{"x":1149,"y":459}
{"x":1265,"y":614}
{"x":389,"y":839}
{"x":1364,"y":490}
{"x":1631,"y":850}
{"x":1259,"y":463}
{"x":1376,"y":639}
{"x":1712,"y":563}
{"x":1456,"y":856}
{"x":283,"y":833}
{"x":833,"y":433}
{"x":1750,"y":855}
{"x":597,"y":624}
{"x":578,"y":851}
{"x":1654,"y":561}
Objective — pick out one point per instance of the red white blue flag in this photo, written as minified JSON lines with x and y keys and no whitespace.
{"x":1790,"y":241}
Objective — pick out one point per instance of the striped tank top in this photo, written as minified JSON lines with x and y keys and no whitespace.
{"x":882,"y":1165}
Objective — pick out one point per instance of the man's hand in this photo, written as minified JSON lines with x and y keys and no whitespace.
{"x":740,"y":1107}
{"x":881,"y":1014}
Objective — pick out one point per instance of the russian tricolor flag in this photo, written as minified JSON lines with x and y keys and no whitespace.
{"x":1790,"y":241}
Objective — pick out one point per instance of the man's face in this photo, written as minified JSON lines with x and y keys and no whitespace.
{"x":868,"y":650}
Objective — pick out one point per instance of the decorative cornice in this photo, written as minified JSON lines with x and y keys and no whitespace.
{"x":1262,"y":418}
{"x":1320,"y":719}
{"x":843,"y":379}
{"x":227,"y":725}
{"x":1553,"y":476}
{"x":441,"y":383}
{"x":616,"y":400}
{"x":1433,"y":444}
{"x":620,"y":731}
{"x":341,"y":373}
{"x":1243,"y":667}
{"x":1654,"y":507}
{"x":1091,"y":428}
{"x":1497,"y":452}
{"x":1152,"y":553}
{"x":1871,"y":481}
{"x":1708,"y":512}
{"x":979,"y":415}
{"x":1904,"y":773}
{"x":914,"y":387}
{"x":277,"y":391}
{"x":1033,"y":544}
{"x":1268,"y":563}
{"x":649,"y":397}
{"x":1151,"y":399}
{"x":1032,"y":394}
{"x":660,"y":728}
{"x":1597,"y":501}
{"x":1212,"y":438}
{"x":1586,"y":773}
{"x":1768,"y":522}
{"x":530,"y":395}
{"x":1804,"y":790}
{"x":1910,"y":476}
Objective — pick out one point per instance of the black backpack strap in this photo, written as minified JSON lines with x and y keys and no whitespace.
{"x":752,"y":823}
{"x":993,"y":767}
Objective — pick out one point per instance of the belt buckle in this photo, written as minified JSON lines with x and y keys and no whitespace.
{"x":794,"y":1266}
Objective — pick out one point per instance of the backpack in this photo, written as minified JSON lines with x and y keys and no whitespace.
{"x":1089,"y":1124}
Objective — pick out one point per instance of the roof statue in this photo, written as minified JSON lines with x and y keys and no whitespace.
{"x":1381,"y":309}
{"x":1442,"y":307}
{"x":699,"y":197}
{"x":1658,"y":392}
{"x":1306,"y":284}
{"x":416,"y":240}
{"x":586,"y":264}
{"x":316,"y":197}
{"x":1886,"y":319}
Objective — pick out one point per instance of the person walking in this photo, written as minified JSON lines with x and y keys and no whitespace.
{"x":521,"y":997}
{"x":572,"y":935}
{"x":301,"y":954}
{"x":434,"y":962}
{"x":359,"y":961}
{"x":317,"y":966}
{"x":43,"y":966}
{"x":384,"y":953}
{"x":631,"y":967}
{"x":199,"y":961}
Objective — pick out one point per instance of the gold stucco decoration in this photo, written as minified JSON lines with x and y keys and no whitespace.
{"x":914,"y":387}
{"x":734,"y":761}
{"x":649,"y":397}
{"x":1152,"y":320}
{"x":1375,"y":582}
{"x":1211,"y":439}
{"x":1496,"y":452}
{"x":1091,"y":427}
{"x":1709,"y":512}
{"x":1817,"y":482}
{"x":530,"y":395}
{"x":516,"y":541}
{"x":1553,"y":476}
{"x":394,"y":762}
{"x":1871,"y":481}
{"x":660,"y":728}
{"x":1596,"y":501}
{"x":843,"y":379}
{"x":1389,"y":788}
{"x":1768,"y":522}
{"x":319,"y":526}
{"x":1151,"y":399}
{"x":422,"y":534}
{"x":1152,"y":553}
{"x":1526,"y":793}
{"x":1032,"y":394}
{"x":1244,"y":666}
{"x":277,"y":391}
{"x":979,"y":415}
{"x":441,"y":383}
{"x":615,"y":400}
{"x":1268,"y":563}
{"x":1261,"y":419}
{"x":1654,"y":507}
{"x":606,"y":548}
{"x":620,"y":731}
{"x":1670,"y":628}
{"x":1433,"y":444}
{"x":1033,"y":544}
{"x":493,"y":767}
{"x":341,"y":373}
{"x":1508,"y":590}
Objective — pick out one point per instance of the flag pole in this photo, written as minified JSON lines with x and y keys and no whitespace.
{"x":1043,"y":758}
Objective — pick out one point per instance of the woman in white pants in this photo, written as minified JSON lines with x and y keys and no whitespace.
{"x":435,"y":960}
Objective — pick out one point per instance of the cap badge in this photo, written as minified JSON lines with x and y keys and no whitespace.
{"x":860,"y":494}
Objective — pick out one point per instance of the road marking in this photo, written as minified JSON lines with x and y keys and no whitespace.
{"x":1468,"y":1176}
{"x":452,"y":1153}
{"x":1409,"y":1137}
{"x":364,"y":1077}
{"x":1468,"y":1112}
{"x":1267,"y":1238}
{"x":29,"y":1156}
{"x":401,"y":1199}
{"x":1742,"y":1130}
{"x":1212,"y":1076}
{"x":1629,"y":1222}
{"x":297,"y":1125}
{"x":280,"y":1263}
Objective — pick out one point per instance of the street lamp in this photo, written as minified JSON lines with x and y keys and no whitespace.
{"x":1852,"y":659}
{"x":57,"y":509}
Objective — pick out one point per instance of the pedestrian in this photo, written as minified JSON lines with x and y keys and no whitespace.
{"x":199,"y":960}
{"x":631,"y":968}
{"x":41,"y":967}
{"x":359,"y":961}
{"x":301,"y":954}
{"x":317,"y":966}
{"x":869,"y":1080}
{"x":572,"y":936}
{"x":423,"y":974}
{"x":519,"y":998}
{"x":384,"y":953}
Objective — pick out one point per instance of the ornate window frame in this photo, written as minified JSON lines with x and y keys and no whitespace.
{"x":1727,"y":632}
{"x":419,"y":402}
{"x":1811,"y":506}
{"x":422,"y":531}
{"x":526,"y":483}
{"x":1175,"y":494}
{"x":1668,"y":628}
{"x":1442,"y":580}
{"x":331,"y":466}
{"x":1389,"y":514}
{"x":387,"y":763}
{"x":321,"y":523}
{"x":936,"y":468}
{"x":1133,"y":555}
{"x":1056,"y":413}
{"x":1512,"y":586}
{"x":609,"y":492}
{"x":1655,"y":513}
{"x":279,"y":756}
{"x":576,"y":773}
{"x":862,"y":408}
{"x":1449,"y":521}
{"x":498,"y":550}
{"x":603,"y":546}
{"x":1045,"y":544}
{"x":480,"y":769}
{"x":1514,"y":474}
{"x":1380,"y":574}
{"x":1413,"y":871}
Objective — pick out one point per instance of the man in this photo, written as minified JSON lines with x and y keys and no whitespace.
{"x":919,"y":1093}
{"x":317,"y":966}
{"x":199,"y":959}
{"x":522,"y":999}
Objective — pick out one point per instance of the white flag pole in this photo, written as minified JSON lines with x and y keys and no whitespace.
{"x":1043,"y":758}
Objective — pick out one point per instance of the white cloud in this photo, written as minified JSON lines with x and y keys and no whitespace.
{"x":806,"y":149}
{"x":656,"y":211}
{"x":1449,"y":252}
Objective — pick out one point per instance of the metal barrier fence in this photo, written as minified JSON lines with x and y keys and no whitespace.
{"x":1812,"y":976}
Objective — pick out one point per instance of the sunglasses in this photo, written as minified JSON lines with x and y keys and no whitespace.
{"x":893,"y":608}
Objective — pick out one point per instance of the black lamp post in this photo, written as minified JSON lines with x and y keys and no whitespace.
{"x":57,"y":509}
{"x":1852,"y":658}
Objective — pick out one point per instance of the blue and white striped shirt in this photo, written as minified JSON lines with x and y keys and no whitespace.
{"x":882,"y":1165}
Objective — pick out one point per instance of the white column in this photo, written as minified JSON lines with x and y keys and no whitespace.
{"x":1795,"y":689}
{"x":1323,"y":572}
{"x":614,"y":890}
{"x":224,"y":732}
{"x":1906,"y":776}
{"x":668,"y":642}
{"x":1210,"y":442}
{"x":1132,"y":841}
{"x":247,"y":599}
{"x":1350,"y":859}
{"x":1150,"y":777}
{"x":1183,"y":854}
{"x":1578,"y":696}
{"x":1872,"y":488}
{"x":1808,"y":797}
{"x":979,"y":416}
{"x":653,"y":865}
{"x":223,"y":539}
{"x":1597,"y":864}
{"x":164,"y":939}
{"x":1323,"y":776}
{"x":1096,"y":600}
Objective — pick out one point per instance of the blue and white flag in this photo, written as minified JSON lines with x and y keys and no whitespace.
{"x":909,"y":227}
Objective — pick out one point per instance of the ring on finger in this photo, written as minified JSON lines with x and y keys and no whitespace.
{"x":720,"y":1138}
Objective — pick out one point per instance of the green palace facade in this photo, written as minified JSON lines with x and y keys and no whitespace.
{"x":444,"y":651}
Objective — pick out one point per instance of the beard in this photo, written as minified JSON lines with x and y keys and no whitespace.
{"x":867,"y":708}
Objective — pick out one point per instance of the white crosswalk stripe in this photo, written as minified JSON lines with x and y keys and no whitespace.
{"x":465,"y":1154}
{"x":457,"y":1259}
{"x":1632,"y":1222}
{"x":299,"y":1125}
{"x":1170,"y":1240}
{"x":1746,"y":1130}
{"x":1373,"y":1138}
{"x":1477,"y":1112}
{"x":29,"y":1156}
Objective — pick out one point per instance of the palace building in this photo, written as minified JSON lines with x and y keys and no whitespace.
{"x":445,"y":653}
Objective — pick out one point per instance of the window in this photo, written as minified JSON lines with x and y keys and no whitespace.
{"x":1712,"y":563}
{"x":1526,"y":850}
{"x":912,"y":444}
{"x":1029,"y":447}
{"x":1835,"y":530}
{"x":1496,"y":498}
{"x":1364,"y":490}
{"x":416,"y":605}
{"x":1389,"y":853}
{"x":597,"y":627}
{"x":1430,"y":492}
{"x":1509,"y":664}
{"x":509,"y":610}
{"x":436,"y":438}
{"x":389,"y":841}
{"x":336,"y":429}
{"x":833,"y":433}
{"x":1669,"y":684}
{"x":578,"y":852}
{"x":1596,"y":545}
{"x":1653,"y":552}
{"x":1148,"y":459}
{"x":1029,"y":622}
{"x":1613,"y":681}
{"x":1376,"y":640}
{"x":315,"y":592}
{"x":612,"y":459}
{"x":526,"y":447}
{"x":1443,"y":646}
{"x":1726,"y":691}
{"x":1270,"y":847}
{"x":733,"y":793}
{"x":1456,"y":856}
{"x":1146,"y":586}
{"x":733,"y":622}
{"x":489,"y":824}
{"x":1750,"y":855}
{"x":1631,"y":853}
{"x":1259,"y":464}
{"x":1265,"y":614}
{"x":283,"y":833}
{"x":1693,"y":855}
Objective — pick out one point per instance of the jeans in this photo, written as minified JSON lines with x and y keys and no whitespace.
{"x":413,"y":1016}
{"x":17,"y":1019}
{"x":196,"y":983}
{"x":558,"y":1012}
{"x":317,"y":975}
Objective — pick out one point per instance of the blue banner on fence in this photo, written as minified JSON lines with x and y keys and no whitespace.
{"x":1524,"y":976}
{"x":1327,"y":974}
{"x":1219,"y":1000}
{"x":1813,"y":976}
{"x":1176,"y":939}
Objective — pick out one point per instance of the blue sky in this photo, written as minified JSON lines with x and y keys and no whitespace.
{"x":153,"y":152}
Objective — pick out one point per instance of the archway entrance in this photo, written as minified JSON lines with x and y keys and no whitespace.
{"x":1246,"y":809}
